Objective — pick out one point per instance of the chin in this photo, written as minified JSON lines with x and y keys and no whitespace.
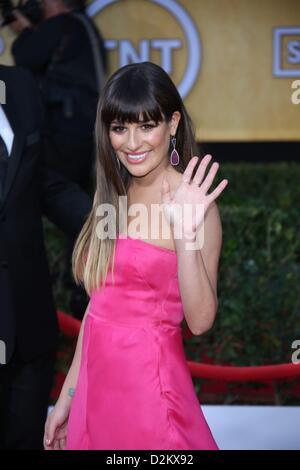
{"x":138,"y":171}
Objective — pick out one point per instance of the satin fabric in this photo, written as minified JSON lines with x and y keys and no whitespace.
{"x":134,"y":389}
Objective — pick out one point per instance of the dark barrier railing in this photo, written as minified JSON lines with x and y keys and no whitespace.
{"x":70,"y":327}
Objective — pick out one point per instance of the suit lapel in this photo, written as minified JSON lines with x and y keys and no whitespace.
{"x":12,"y":111}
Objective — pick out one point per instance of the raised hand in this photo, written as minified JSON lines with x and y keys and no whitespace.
{"x":191,"y":197}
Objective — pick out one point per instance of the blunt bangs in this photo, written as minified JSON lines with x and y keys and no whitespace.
{"x":131,"y":102}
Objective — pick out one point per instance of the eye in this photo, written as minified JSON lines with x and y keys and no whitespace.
{"x":148,"y":126}
{"x":117,"y":129}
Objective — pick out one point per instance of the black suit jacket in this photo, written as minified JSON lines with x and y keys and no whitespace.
{"x":27,"y":312}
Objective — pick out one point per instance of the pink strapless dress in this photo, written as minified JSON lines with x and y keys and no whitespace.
{"x":134,"y":389}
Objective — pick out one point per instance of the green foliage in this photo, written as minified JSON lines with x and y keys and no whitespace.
{"x":258,"y":286}
{"x":55,"y":245}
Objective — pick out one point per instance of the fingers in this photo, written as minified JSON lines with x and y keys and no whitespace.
{"x":199,"y":175}
{"x":56,"y":445}
{"x":206,"y":184}
{"x":49,"y":433}
{"x":46,"y":446}
{"x":47,"y":441}
{"x":187,"y":175}
{"x":208,"y":181}
{"x":217,"y":191}
{"x":62,"y":443}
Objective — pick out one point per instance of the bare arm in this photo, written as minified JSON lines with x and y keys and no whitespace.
{"x":197,"y":268}
{"x":198,"y":274}
{"x":72,"y":376}
{"x":56,"y":424}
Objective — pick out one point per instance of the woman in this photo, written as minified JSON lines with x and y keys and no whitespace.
{"x":132,"y":386}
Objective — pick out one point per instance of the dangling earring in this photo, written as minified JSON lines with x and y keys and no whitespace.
{"x":174,"y":157}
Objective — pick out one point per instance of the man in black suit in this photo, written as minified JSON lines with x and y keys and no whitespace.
{"x":66,"y":54}
{"x":28,"y":324}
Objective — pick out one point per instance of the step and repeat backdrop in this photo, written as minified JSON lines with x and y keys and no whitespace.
{"x":236,"y":63}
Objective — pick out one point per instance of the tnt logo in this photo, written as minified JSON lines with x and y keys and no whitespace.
{"x":286,"y":52}
{"x":180,"y":37}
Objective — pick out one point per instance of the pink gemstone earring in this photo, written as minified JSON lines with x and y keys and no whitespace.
{"x":174,"y":157}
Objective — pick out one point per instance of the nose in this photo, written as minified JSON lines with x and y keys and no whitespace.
{"x":134,"y":140}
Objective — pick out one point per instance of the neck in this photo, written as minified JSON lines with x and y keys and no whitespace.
{"x":152,"y":180}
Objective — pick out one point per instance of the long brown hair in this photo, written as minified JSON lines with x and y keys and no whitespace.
{"x":136,"y":91}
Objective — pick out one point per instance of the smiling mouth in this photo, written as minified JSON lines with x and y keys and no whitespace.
{"x":136,"y":157}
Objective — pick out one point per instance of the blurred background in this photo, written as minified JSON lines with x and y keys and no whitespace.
{"x":237,"y":65}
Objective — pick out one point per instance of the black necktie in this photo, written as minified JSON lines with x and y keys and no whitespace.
{"x":3,"y":165}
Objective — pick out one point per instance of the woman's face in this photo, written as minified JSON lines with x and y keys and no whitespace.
{"x":141,"y":147}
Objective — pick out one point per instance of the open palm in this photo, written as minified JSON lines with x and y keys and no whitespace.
{"x":185,"y":209}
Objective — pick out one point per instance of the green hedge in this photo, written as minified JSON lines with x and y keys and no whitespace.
{"x":258,"y":288}
{"x":259,"y":281}
{"x":259,"y":277}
